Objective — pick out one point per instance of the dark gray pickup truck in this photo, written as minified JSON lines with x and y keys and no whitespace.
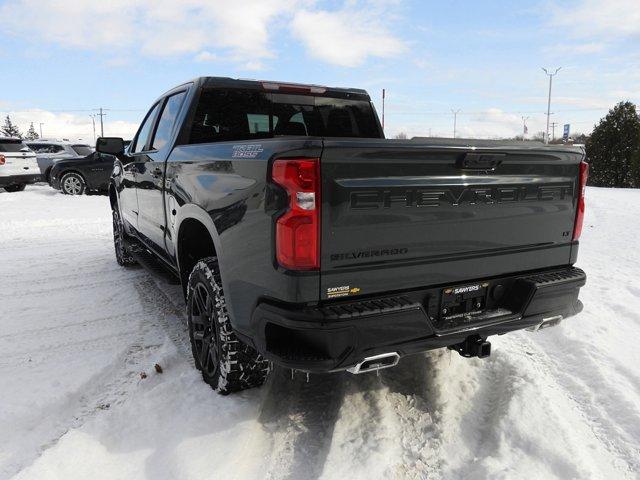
{"x":302,"y":238}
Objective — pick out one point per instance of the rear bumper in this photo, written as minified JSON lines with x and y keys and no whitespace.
{"x":19,"y":179}
{"x":338,"y":335}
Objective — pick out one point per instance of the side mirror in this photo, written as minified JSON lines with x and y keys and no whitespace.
{"x":110,"y":145}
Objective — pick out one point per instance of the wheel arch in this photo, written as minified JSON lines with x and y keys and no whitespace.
{"x":113,"y":196}
{"x":196,"y":237}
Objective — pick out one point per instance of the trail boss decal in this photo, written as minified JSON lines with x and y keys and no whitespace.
{"x":247,"y":151}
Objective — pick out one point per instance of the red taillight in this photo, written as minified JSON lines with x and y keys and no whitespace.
{"x":582,"y":184}
{"x":298,"y":230}
{"x":2,"y":159}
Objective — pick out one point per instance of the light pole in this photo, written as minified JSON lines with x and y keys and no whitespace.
{"x":550,"y":75}
{"x":383,"y":95}
{"x":524,"y":128}
{"x":455,"y":120}
{"x":101,"y":115}
{"x":41,"y":129}
{"x":93,"y":121}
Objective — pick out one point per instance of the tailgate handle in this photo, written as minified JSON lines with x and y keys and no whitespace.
{"x":481,"y":161}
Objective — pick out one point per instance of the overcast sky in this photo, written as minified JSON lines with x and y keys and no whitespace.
{"x":62,"y":58}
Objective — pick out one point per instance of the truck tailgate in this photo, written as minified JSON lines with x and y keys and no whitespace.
{"x":398,"y":215}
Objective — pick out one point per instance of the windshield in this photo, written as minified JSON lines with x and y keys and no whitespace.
{"x":82,"y":150}
{"x":225,"y":114}
{"x":12,"y":145}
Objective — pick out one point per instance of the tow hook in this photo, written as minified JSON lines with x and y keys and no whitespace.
{"x":473,"y":346}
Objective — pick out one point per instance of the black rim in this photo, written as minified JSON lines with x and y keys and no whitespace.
{"x":203,"y":330}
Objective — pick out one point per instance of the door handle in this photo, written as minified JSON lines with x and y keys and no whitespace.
{"x":156,"y":172}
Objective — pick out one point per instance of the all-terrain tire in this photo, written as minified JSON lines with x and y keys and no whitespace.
{"x":15,"y":188}
{"x":123,"y":256}
{"x":227,"y":364}
{"x":72,"y":184}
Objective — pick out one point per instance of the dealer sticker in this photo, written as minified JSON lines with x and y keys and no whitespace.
{"x":342,"y":291}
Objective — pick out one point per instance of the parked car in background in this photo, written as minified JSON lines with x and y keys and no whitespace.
{"x":75,"y":176}
{"x":18,"y":165}
{"x":49,"y":151}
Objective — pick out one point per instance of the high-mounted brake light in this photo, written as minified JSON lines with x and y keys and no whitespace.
{"x":582,"y":185}
{"x":293,"y":87}
{"x":298,"y":229}
{"x":2,"y":159}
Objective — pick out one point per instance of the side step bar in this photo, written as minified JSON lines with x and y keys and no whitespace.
{"x":377,"y":362}
{"x":152,"y":265}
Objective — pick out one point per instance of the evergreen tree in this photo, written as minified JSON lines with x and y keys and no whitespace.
{"x":612,"y":147}
{"x":635,"y":168}
{"x":9,"y":129}
{"x":31,"y":133}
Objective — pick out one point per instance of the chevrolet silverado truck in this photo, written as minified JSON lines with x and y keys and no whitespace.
{"x":302,"y":238}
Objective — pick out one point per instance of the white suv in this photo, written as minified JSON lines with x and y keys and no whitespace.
{"x":18,"y":165}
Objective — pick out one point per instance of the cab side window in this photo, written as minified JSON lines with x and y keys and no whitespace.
{"x":167,"y":120}
{"x":142,"y":139}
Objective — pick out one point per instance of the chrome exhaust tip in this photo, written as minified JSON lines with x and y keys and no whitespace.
{"x":546,"y":323}
{"x":377,"y":362}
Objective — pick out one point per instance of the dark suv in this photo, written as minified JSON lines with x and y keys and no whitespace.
{"x":75,"y":176}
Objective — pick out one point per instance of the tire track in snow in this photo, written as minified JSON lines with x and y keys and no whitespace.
{"x":587,"y":394}
{"x":300,"y":417}
{"x":413,"y":395}
{"x":487,"y":424}
{"x":112,"y":384}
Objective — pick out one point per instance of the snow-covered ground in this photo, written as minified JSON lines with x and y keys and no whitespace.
{"x":77,"y":331}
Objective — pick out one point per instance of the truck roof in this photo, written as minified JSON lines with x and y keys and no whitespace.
{"x":276,"y":86}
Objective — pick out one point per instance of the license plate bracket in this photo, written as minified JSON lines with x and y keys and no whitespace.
{"x":463,"y":302}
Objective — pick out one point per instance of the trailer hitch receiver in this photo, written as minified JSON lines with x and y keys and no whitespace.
{"x":473,"y":346}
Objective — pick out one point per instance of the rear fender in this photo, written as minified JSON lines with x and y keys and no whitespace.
{"x":192,"y":211}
